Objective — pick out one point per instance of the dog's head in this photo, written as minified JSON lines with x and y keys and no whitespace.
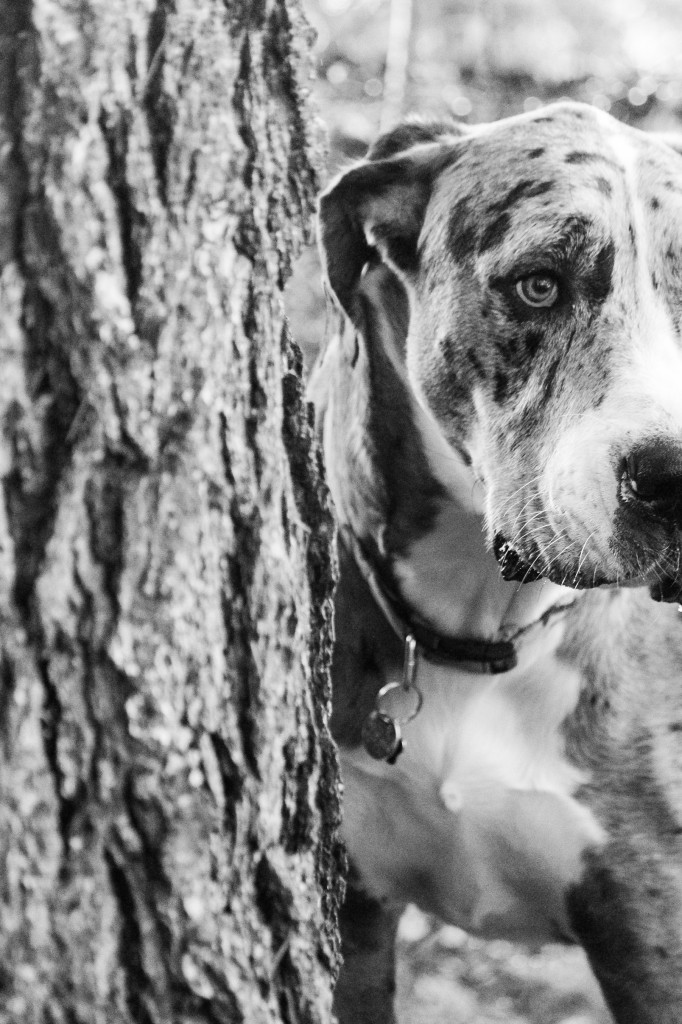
{"x":542,"y":260}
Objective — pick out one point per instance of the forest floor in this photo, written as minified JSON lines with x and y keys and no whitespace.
{"x":447,"y":977}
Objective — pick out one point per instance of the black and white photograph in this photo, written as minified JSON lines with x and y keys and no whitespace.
{"x":340,"y":512}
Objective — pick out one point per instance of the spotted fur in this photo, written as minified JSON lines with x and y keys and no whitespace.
{"x":460,"y":421}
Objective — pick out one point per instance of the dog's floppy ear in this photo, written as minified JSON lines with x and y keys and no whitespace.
{"x":379,"y":205}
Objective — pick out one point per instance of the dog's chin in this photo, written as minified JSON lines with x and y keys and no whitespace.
{"x":518,"y":567}
{"x":662,"y":576}
{"x":513,"y":566}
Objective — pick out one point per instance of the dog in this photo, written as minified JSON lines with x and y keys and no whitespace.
{"x":501,"y":419}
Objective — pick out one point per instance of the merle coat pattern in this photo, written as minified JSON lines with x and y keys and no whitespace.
{"x":502,"y":422}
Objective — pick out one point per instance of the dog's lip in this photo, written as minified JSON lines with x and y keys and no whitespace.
{"x":516,"y":567}
{"x":666,"y":586}
{"x":513,"y":566}
{"x":667,"y":591}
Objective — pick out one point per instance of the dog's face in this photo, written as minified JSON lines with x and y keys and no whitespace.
{"x":542,"y":257}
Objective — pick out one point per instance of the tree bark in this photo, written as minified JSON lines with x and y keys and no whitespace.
{"x":168,"y":787}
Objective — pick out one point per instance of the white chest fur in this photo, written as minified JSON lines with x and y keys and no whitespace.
{"x":477,"y":821}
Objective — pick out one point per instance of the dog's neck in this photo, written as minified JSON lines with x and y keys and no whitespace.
{"x":452,"y":581}
{"x":448,"y":574}
{"x":406,"y":494}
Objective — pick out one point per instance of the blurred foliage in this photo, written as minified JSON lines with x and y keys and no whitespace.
{"x":479,"y":60}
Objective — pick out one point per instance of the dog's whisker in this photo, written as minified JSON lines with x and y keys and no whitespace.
{"x":582,"y":556}
{"x":510,"y":498}
{"x":538,"y":518}
{"x":518,"y":516}
{"x":519,"y":490}
{"x":556,"y":559}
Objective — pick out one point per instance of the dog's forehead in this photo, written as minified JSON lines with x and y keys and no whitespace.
{"x":543,"y":138}
{"x":533,"y":173}
{"x":574,"y":143}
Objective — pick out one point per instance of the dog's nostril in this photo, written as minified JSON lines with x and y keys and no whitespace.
{"x":652,"y":476}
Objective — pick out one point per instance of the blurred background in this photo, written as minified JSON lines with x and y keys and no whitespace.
{"x":478,"y":60}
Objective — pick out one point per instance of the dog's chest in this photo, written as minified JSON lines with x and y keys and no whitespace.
{"x":477,"y":821}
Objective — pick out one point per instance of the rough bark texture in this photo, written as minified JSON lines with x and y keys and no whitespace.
{"x":168,"y":788}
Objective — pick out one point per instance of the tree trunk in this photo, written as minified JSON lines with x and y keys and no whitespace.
{"x":168,"y":787}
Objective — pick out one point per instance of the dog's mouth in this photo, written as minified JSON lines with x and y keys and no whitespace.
{"x":663,"y":576}
{"x":513,"y":567}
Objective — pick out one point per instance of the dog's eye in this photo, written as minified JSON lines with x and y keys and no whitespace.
{"x":538,"y":289}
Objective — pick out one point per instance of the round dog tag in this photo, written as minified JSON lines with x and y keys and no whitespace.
{"x":381,"y":737}
{"x":400,"y":702}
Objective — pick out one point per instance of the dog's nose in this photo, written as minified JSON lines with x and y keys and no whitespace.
{"x":653,"y":478}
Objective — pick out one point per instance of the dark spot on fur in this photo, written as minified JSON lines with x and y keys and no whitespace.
{"x":447,"y":346}
{"x":501,"y":386}
{"x":654,"y":281}
{"x":580,"y":156}
{"x":598,"y":281}
{"x":670,"y":253}
{"x":672,"y":186}
{"x":633,"y":239}
{"x":570,"y":341}
{"x":524,"y":190}
{"x":532,"y":341}
{"x":548,"y":385}
{"x":510,"y":349}
{"x":543,"y":120}
{"x":654,"y":203}
{"x":604,"y":186}
{"x":527,"y":422}
{"x":535,"y":153}
{"x":495,"y":232}
{"x":476,"y":365}
{"x":461,"y":232}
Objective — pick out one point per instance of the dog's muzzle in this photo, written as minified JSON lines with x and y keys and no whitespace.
{"x":647,"y":530}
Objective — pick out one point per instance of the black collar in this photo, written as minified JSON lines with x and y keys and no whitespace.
{"x":484,"y":656}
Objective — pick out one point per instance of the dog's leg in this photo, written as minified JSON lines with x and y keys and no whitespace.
{"x":627,"y":913}
{"x":366,"y":985}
